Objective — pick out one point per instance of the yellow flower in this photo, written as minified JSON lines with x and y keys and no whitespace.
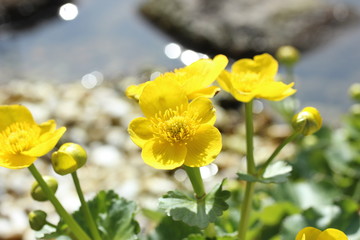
{"x":175,"y":132}
{"x":195,"y":78}
{"x":251,"y":79}
{"x":310,"y":233}
{"x":21,"y":139}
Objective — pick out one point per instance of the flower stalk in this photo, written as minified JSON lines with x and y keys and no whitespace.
{"x":68,"y":219}
{"x":246,"y":210}
{"x":251,"y":169}
{"x":277,"y":150}
{"x":85,"y":208}
{"x":196,"y":182}
{"x":249,"y":138}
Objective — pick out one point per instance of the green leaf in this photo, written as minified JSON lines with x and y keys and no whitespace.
{"x":48,"y":232}
{"x":292,"y":225}
{"x":113,"y":215}
{"x":273,"y":214}
{"x":201,"y":237}
{"x":200,"y":213}
{"x":276,"y":179}
{"x":277,"y":172}
{"x":195,"y":237}
{"x":174,"y":230}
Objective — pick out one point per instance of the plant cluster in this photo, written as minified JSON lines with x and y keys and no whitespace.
{"x":272,"y":200}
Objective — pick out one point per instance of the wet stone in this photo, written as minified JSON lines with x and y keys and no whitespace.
{"x":245,"y":27}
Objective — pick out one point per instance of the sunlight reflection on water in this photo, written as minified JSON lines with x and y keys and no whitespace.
{"x":68,"y":11}
{"x":172,"y":50}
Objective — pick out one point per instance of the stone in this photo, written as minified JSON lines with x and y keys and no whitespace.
{"x":247,"y":27}
{"x":18,"y":14}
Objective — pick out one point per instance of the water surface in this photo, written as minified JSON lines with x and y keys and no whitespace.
{"x":112,"y":38}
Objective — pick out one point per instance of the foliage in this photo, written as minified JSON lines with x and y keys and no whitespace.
{"x":195,"y":212}
{"x":114,"y":217}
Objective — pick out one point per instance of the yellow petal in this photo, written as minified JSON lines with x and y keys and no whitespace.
{"x":242,"y":96}
{"x":274,"y":91}
{"x":63,"y":163}
{"x":14,"y":113}
{"x":47,"y":142}
{"x":208,"y":92}
{"x":16,"y":161}
{"x":161,"y":94}
{"x":202,"y":73}
{"x":225,"y":81}
{"x":332,"y":234}
{"x":204,"y":147}
{"x":134,"y":91}
{"x":264,"y":64}
{"x":310,"y":233}
{"x":48,"y":126}
{"x":163,"y":155}
{"x":140,"y":131}
{"x":203,"y":109}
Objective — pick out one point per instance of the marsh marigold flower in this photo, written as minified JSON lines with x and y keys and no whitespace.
{"x":310,"y":233}
{"x":22,"y":140}
{"x":175,"y":132}
{"x":255,"y":78}
{"x":195,"y":78}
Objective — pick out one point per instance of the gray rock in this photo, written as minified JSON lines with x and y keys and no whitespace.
{"x":19,"y":14}
{"x":244,"y":27}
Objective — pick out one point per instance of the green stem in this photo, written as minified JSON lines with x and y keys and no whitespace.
{"x":210,"y":231}
{"x":196,"y":181}
{"x":85,"y":208}
{"x":249,"y":138}
{"x":289,"y":74}
{"x":246,"y":208}
{"x":251,"y":169}
{"x":50,"y":224}
{"x":68,"y":219}
{"x":277,"y":150}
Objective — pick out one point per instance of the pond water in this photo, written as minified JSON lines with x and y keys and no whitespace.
{"x":112,"y":38}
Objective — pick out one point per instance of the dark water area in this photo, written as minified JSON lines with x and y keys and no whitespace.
{"x":111,"y":37}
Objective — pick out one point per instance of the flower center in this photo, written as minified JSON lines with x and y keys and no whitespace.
{"x":248,"y":81}
{"x":19,"y":137}
{"x":175,"y":128}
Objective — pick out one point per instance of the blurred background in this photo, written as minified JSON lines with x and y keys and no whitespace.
{"x":72,"y":61}
{"x":61,"y":42}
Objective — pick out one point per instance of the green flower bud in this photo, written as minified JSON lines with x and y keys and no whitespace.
{"x":37,"y":219}
{"x":354,"y":91}
{"x":287,"y":55}
{"x":68,"y":158}
{"x":308,"y":121}
{"x":37,"y":192}
{"x":355,"y":110}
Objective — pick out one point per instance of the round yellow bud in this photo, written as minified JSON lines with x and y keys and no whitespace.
{"x":287,"y":55}
{"x":354,"y":91}
{"x":308,"y":121}
{"x":37,"y":219}
{"x":68,"y":158}
{"x":37,"y":192}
